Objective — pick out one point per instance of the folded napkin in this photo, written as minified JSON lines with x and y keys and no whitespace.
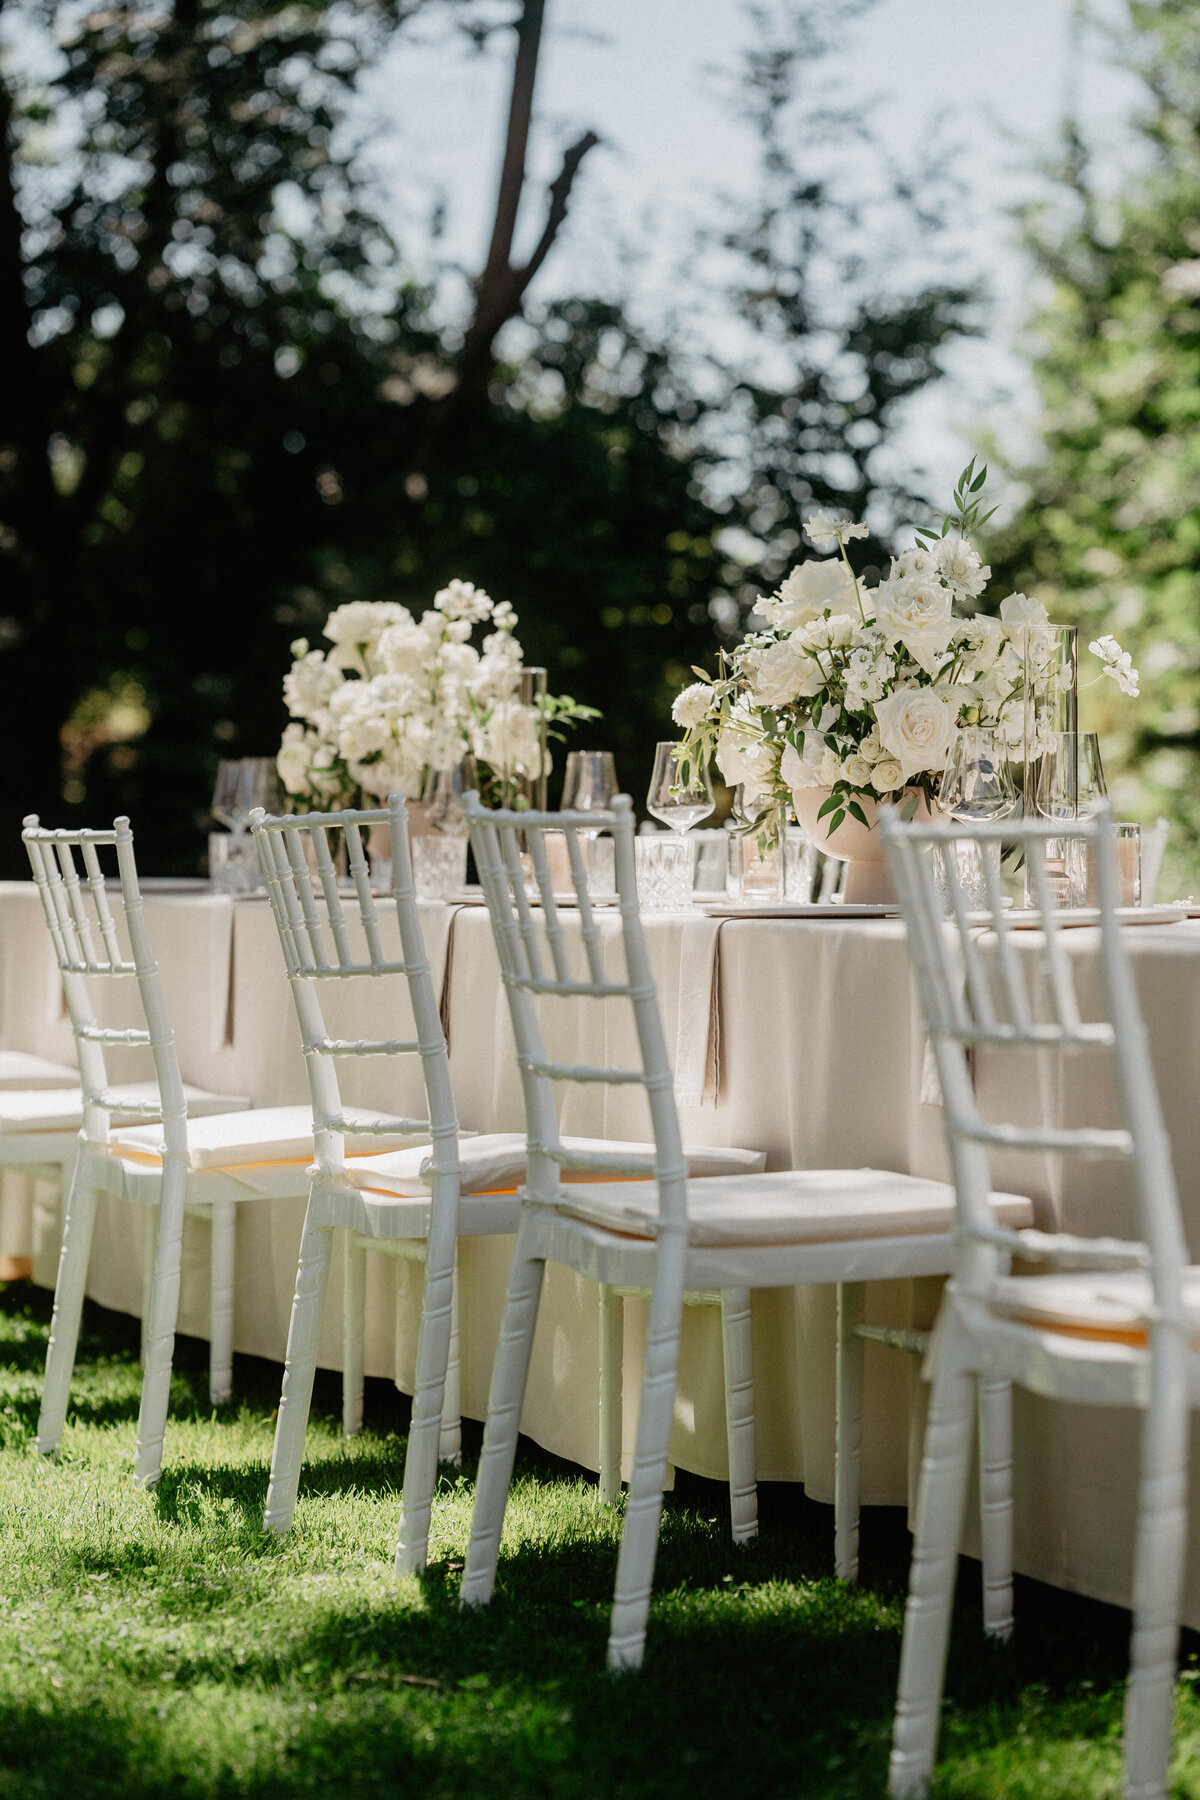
{"x":698,"y":1034}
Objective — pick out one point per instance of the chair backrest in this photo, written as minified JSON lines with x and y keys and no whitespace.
{"x":86,"y":946}
{"x":536,"y":963}
{"x":984,"y":983}
{"x":315,"y":933}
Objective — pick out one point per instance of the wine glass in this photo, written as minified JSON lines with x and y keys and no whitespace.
{"x":442,"y":797}
{"x":241,"y":786}
{"x":1057,"y":795}
{"x":977,"y":782}
{"x":1091,"y":785}
{"x":681,"y":790}
{"x":590,"y":782}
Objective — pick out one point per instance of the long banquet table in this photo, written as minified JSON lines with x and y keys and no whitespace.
{"x":798,"y":1037}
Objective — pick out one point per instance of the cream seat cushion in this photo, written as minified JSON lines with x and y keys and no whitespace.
{"x":793,"y":1206}
{"x":268,"y":1134}
{"x":61,"y":1109}
{"x":20,"y":1069}
{"x":496,"y":1164}
{"x":1110,"y":1308}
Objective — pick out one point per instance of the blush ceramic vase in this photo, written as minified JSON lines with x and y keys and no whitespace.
{"x":860,"y":847}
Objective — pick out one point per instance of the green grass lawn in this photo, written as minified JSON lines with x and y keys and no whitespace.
{"x":163,"y":1644}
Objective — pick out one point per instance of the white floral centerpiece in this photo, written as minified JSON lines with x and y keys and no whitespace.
{"x":398,"y":697}
{"x":856,"y":694}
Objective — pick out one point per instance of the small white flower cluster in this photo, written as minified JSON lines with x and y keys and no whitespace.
{"x":1117,"y":663}
{"x":867,"y":688}
{"x":397,"y":696}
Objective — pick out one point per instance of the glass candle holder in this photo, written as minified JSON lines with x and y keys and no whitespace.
{"x":664,"y":873}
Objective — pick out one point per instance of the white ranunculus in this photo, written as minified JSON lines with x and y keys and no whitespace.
{"x":887,"y":775}
{"x":1019,"y":609}
{"x":810,"y":590}
{"x":693,"y":705}
{"x":916,"y":613}
{"x":917,"y":726}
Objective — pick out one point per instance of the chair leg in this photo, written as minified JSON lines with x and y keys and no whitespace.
{"x":149,"y":1255}
{"x":940,"y":1504}
{"x":643,"y":1508}
{"x":612,"y":1359}
{"x":223,"y":1259}
{"x":1159,"y":1556}
{"x":354,"y":1287}
{"x":739,"y":1413}
{"x":163,"y":1314}
{"x":509,"y":1374}
{"x":431,"y":1402}
{"x":303,"y":1332}
{"x":68,"y":1306}
{"x":996,"y":1506}
{"x":450,"y":1445}
{"x":847,"y":1501}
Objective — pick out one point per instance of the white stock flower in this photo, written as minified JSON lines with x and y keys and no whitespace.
{"x":867,"y":674}
{"x":1117,"y":663}
{"x":463,"y":600}
{"x":828,"y":529}
{"x":917,"y":726}
{"x":916,"y":613}
{"x":511,"y":740}
{"x":811,"y":589}
{"x":310,"y":683}
{"x":693,"y":705}
{"x":962,"y":566}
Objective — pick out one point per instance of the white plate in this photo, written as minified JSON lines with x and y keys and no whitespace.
{"x":814,"y":909}
{"x":1090,"y":915}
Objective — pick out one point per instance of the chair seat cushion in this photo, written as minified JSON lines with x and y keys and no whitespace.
{"x":266,"y":1134}
{"x":20,"y":1069}
{"x":1108,"y":1308}
{"x":61,"y":1109}
{"x":496,"y":1164}
{"x":793,"y":1206}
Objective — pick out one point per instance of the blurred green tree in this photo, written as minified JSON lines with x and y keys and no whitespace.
{"x":1109,"y":534}
{"x":230,"y":409}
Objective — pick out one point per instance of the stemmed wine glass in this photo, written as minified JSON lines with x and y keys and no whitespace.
{"x":241,"y":786}
{"x":977,"y":782}
{"x":590,"y":781}
{"x":681,"y":790}
{"x":977,"y":786}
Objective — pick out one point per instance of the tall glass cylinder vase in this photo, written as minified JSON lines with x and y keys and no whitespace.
{"x":1051,"y":703}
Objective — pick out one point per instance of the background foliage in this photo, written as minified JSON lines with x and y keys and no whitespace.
{"x":233,"y":406}
{"x":1110,"y":533}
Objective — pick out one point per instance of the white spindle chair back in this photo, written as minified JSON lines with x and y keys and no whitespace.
{"x":535,"y":962}
{"x":87,"y":948}
{"x":316,"y":934}
{"x":979,"y":988}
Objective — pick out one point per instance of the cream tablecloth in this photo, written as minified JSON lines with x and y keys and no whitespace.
{"x":819,"y":1061}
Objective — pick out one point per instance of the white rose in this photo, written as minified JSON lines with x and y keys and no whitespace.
{"x":887,"y":775}
{"x":693,"y":705}
{"x":293,"y":759}
{"x":811,"y":589}
{"x":1019,"y":609}
{"x":817,"y":766}
{"x":916,"y":614}
{"x":784,"y":673}
{"x":917,"y":726}
{"x":745,"y":761}
{"x":857,"y":770}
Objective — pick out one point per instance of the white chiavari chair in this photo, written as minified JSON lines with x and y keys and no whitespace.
{"x":414,"y":1203}
{"x":658,"y":1230}
{"x":205,"y":1153}
{"x":1111,"y":1323}
{"x":21,"y":1069}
